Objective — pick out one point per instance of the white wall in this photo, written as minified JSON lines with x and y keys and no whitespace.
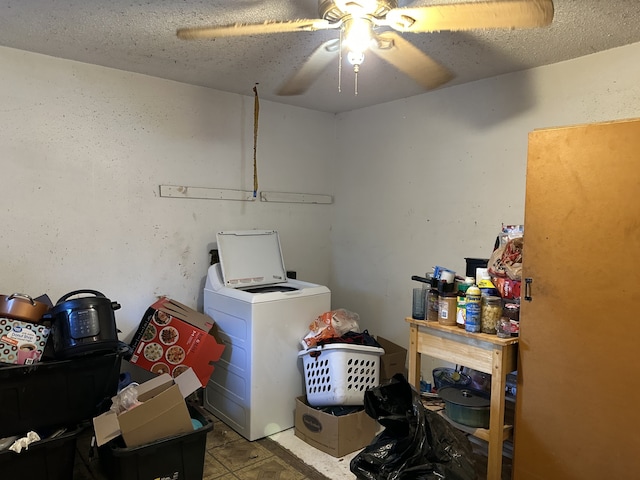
{"x":429,"y":180}
{"x":84,"y":150}
{"x":417,"y":182}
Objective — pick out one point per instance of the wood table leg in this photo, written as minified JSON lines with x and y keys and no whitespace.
{"x":414,"y":358}
{"x":496,"y":416}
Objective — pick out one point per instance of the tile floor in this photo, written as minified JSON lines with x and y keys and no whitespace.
{"x":282,"y":456}
{"x":228,"y":456}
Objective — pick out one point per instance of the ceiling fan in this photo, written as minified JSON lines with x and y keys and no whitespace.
{"x":373,"y":26}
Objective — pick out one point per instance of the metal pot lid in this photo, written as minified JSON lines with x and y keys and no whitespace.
{"x":464,"y":397}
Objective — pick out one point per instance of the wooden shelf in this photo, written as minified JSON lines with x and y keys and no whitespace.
{"x":482,"y":447}
{"x":479,"y":351}
{"x":454,"y":330}
{"x":481,"y":433}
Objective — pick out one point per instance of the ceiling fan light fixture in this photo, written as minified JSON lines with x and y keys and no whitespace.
{"x":355,"y":58}
{"x":358,"y":34}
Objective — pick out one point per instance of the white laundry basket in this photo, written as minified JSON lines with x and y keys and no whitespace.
{"x":339,"y":373}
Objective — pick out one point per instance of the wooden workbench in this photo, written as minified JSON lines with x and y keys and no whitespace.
{"x":479,"y":351}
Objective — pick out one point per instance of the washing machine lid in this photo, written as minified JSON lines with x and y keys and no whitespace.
{"x":250,"y":258}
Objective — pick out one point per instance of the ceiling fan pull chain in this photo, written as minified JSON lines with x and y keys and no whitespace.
{"x":356,"y":69}
{"x":256,"y":112}
{"x":340,"y":63}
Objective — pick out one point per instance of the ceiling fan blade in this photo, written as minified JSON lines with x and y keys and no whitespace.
{"x":245,"y":29}
{"x":472,"y":16}
{"x":411,"y":61}
{"x":300,"y":81}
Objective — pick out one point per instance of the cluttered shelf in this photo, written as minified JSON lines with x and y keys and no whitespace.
{"x":435,"y":404}
{"x":454,"y":330}
{"x":478,"y":432}
{"x":483,"y":352}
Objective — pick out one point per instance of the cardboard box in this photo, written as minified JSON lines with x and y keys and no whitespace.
{"x":162,"y":413}
{"x":172,"y":337}
{"x":21,"y":343}
{"x":335,"y":435}
{"x":393,"y":361}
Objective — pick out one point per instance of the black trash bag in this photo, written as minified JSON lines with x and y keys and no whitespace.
{"x":416,"y":444}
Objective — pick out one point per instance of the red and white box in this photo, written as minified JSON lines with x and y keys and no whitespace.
{"x":172,"y":337}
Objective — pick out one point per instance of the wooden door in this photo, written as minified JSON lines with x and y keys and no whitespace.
{"x":578,"y":392}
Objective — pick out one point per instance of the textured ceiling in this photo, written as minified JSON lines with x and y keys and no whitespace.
{"x":139,"y":36}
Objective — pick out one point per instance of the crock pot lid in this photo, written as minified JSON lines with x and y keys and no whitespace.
{"x":250,"y":258}
{"x":463,"y":396}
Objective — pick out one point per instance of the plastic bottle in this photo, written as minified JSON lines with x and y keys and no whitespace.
{"x":461,"y":311}
{"x":447,"y":309}
{"x":485,"y":284}
{"x":473,"y":307}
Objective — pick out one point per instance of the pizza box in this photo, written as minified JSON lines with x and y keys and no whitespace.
{"x":172,"y":337}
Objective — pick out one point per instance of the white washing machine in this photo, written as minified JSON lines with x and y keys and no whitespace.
{"x":261,"y":317}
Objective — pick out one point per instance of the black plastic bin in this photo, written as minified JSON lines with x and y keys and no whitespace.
{"x":56,"y":393}
{"x":49,"y":459}
{"x":180,"y":456}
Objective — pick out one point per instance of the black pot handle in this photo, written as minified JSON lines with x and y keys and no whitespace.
{"x":77,"y":292}
{"x":420,"y":279}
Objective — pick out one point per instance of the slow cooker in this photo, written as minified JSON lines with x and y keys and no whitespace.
{"x":83,"y":325}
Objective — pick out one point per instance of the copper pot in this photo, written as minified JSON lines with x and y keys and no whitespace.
{"x":19,"y":306}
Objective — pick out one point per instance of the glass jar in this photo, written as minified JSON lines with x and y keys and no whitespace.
{"x":511,"y":310}
{"x":433,"y":300}
{"x":504,"y":327}
{"x":491,"y":313}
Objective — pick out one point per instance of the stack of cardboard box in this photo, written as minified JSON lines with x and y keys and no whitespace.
{"x":341,"y":435}
{"x":177,"y":344}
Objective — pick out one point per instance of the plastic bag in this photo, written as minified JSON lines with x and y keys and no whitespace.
{"x":24,"y":442}
{"x":509,"y":232}
{"x":416,"y":444}
{"x":126,"y":399}
{"x":334,"y":323}
{"x":355,"y":338}
{"x":506,"y":260}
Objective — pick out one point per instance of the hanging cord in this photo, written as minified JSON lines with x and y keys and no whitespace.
{"x":256,"y":114}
